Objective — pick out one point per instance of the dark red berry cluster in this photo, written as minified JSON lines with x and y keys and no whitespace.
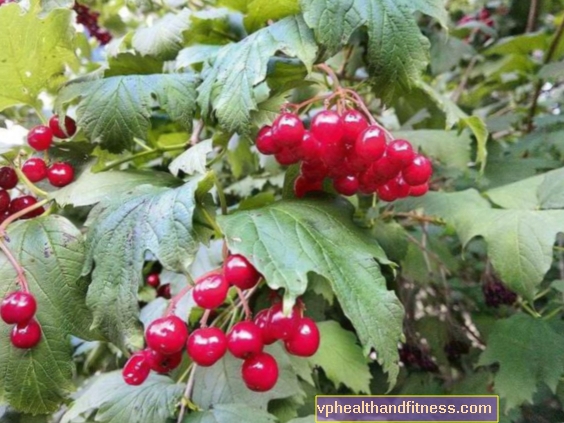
{"x":8,"y":206}
{"x":154,"y":281}
{"x":18,"y":308}
{"x":484,"y":16}
{"x":356,"y":155}
{"x":168,"y":336}
{"x":413,"y":356}
{"x":3,"y":2}
{"x":497,"y":294}
{"x":89,"y":19}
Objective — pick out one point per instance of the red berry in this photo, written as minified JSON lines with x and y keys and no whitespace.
{"x":311,"y":147}
{"x":35,"y":169}
{"x":386,"y":193}
{"x":68,"y":129}
{"x":239,"y":272}
{"x":40,"y":137}
{"x":288,"y":156}
{"x":262,"y":321}
{"x":400,"y":152}
{"x":137,"y":369}
{"x":245,"y":340}
{"x":103,"y":36}
{"x":305,"y":341}
{"x":280,"y":325}
{"x":164,"y":291}
{"x":419,"y":171}
{"x":385,"y":169}
{"x":347,"y":185}
{"x":162,"y":363}
{"x":419,"y":190}
{"x":18,"y":307}
{"x":210,"y":290}
{"x":206,"y":346}
{"x":371,"y":144}
{"x":167,"y":335}
{"x":260,"y":372}
{"x":333,"y":155}
{"x":26,"y":335}
{"x":265,"y":141}
{"x":354,"y":124}
{"x":398,"y":187}
{"x":4,"y":200}
{"x":303,"y":185}
{"x":313,"y":170}
{"x":60,"y":174}
{"x":288,"y":130}
{"x":8,"y":178}
{"x":327,"y":127}
{"x":23,"y":202}
{"x":154,"y":280}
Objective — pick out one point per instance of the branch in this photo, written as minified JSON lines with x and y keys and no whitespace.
{"x":16,"y":265}
{"x":187,"y":393}
{"x":533,"y":13}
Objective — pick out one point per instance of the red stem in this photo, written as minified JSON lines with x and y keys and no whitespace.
{"x":19,"y":269}
{"x":244,"y":302}
{"x":176,"y":299}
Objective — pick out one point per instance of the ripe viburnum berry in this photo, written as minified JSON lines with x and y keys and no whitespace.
{"x":167,"y":335}
{"x":40,"y":137}
{"x":18,"y":307}
{"x":288,"y":130}
{"x":137,"y":369}
{"x":206,"y":346}
{"x":35,"y":169}
{"x":239,"y":272}
{"x":418,"y":172}
{"x":210,"y":291}
{"x":327,"y":127}
{"x":26,"y":335}
{"x":260,"y":372}
{"x":245,"y":340}
{"x":305,"y":340}
{"x":67,"y":130}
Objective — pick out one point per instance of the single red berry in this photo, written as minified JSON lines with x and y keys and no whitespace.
{"x":260,"y":372}
{"x":206,"y":346}
{"x":288,"y":130}
{"x":385,"y":169}
{"x":354,"y":124}
{"x":386,"y":193}
{"x":18,"y":307}
{"x":23,"y":202}
{"x":333,"y":155}
{"x":35,"y":169}
{"x":347,"y":185}
{"x":239,"y":272}
{"x":328,"y":127}
{"x":266,"y":143}
{"x":370,"y":145}
{"x":288,"y":156}
{"x":164,"y":291}
{"x":400,"y":152}
{"x":398,"y":187}
{"x":167,"y":335}
{"x":419,"y":190}
{"x":8,"y":178}
{"x":303,"y":185}
{"x":137,"y":369}
{"x":60,"y":174}
{"x":314,"y":170}
{"x":280,"y":325}
{"x":419,"y":171}
{"x":4,"y":200}
{"x":210,"y":290}
{"x":68,"y":129}
{"x":40,"y":137}
{"x":262,"y":321}
{"x":305,"y":341}
{"x":162,"y":363}
{"x":311,"y":147}
{"x":154,"y":280}
{"x":245,"y":340}
{"x":484,"y":14}
{"x":26,"y":335}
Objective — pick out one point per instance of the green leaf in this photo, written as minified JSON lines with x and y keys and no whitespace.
{"x":152,"y":219}
{"x":309,"y":419}
{"x":449,"y":147}
{"x":392,"y":237}
{"x":229,"y":84}
{"x":132,"y":64}
{"x":289,"y":239}
{"x":51,"y":250}
{"x":551,"y":191}
{"x":520,"y":44}
{"x":552,"y":71}
{"x":115,"y":110}
{"x":519,"y":241}
{"x":222,"y":383}
{"x":341,"y":358}
{"x":229,"y":413}
{"x":517,"y":195}
{"x":193,"y":160}
{"x":480,"y":131}
{"x":447,"y":52}
{"x":261,"y":11}
{"x":91,"y":188}
{"x":116,"y":402}
{"x":529,"y":352}
{"x":195,"y":54}
{"x":397,"y":51}
{"x":32,"y":60}
{"x":164,"y":38}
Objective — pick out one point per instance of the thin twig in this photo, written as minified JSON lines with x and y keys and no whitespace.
{"x":16,"y":265}
{"x":19,"y":214}
{"x":195,"y":137}
{"x":533,"y":13}
{"x":187,"y":393}
{"x":464,"y":81}
{"x":248,"y":313}
{"x":334,"y":79}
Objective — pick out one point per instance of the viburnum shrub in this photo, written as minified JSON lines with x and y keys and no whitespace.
{"x":214,"y":211}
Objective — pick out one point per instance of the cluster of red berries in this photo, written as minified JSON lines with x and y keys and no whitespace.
{"x":413,"y":356}
{"x":18,"y":308}
{"x":349,"y":150}
{"x":154,"y":281}
{"x":40,"y":138}
{"x":8,"y":206}
{"x":89,"y":19}
{"x":497,"y":294}
{"x":167,"y":337}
